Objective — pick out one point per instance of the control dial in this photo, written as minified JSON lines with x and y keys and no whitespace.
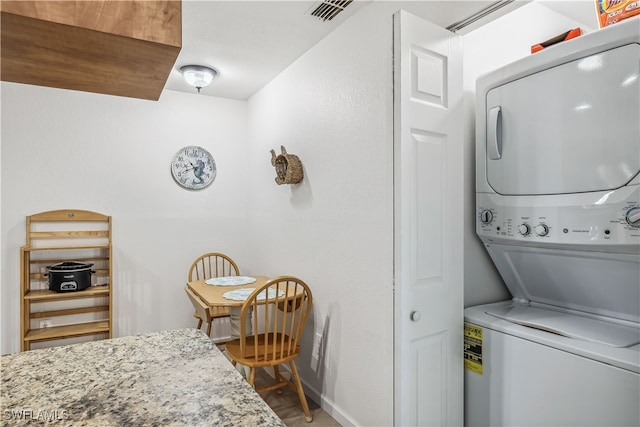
{"x":524,"y":229}
{"x":633,"y":217}
{"x":486,"y":216}
{"x":542,"y":230}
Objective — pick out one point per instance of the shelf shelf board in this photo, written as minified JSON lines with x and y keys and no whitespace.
{"x":67,"y":331}
{"x":69,"y":311}
{"x":76,"y":258}
{"x":63,"y":248}
{"x":43,"y":276}
{"x":41,"y":295}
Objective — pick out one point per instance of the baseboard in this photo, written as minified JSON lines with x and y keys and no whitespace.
{"x":327,"y":405}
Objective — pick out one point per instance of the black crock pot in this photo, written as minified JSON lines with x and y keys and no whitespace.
{"x":69,"y":276}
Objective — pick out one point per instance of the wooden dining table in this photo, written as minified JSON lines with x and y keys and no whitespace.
{"x":212,"y":295}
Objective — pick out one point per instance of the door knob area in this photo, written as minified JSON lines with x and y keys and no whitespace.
{"x":415,"y":316}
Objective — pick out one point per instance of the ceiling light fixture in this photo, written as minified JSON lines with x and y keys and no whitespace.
{"x":198,"y":76}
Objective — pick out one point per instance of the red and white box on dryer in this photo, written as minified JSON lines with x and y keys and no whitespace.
{"x":612,"y":11}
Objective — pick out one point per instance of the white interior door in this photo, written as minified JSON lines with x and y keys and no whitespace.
{"x":428,"y":195}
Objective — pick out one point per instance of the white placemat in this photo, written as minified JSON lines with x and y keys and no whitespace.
{"x":230,"y":280}
{"x":242,"y":294}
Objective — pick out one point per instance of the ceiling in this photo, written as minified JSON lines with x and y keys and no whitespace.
{"x":247,"y":42}
{"x":251,"y":42}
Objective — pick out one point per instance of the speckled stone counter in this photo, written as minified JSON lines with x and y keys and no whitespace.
{"x":170,"y":378}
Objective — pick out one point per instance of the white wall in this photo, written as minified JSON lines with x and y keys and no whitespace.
{"x":333,"y":108}
{"x":64,"y":149}
{"x":491,"y":46}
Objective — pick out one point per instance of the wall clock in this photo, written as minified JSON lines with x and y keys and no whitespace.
{"x":193,"y":167}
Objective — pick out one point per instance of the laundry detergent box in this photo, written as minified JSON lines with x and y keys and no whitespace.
{"x":612,"y":11}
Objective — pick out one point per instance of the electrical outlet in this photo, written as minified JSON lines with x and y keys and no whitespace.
{"x":316,"y":353}
{"x":45,"y":323}
{"x":317,"y":345}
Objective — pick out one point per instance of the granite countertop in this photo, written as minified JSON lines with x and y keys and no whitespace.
{"x":169,"y":378}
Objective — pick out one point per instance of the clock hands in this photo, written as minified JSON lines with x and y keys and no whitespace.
{"x":198,"y":170}
{"x":185,"y":170}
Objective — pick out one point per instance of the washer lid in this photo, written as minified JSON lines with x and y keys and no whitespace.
{"x":577,"y":122}
{"x":604,"y":284}
{"x":627,"y":358}
{"x":572,"y":326}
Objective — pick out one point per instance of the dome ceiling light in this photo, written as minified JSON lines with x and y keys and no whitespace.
{"x":198,"y":76}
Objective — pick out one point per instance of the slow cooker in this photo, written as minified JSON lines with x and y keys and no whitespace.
{"x":69,"y":276}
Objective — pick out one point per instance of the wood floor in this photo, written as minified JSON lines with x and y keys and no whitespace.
{"x":287,"y":406}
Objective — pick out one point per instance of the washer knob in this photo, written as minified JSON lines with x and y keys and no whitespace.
{"x":542,"y":230}
{"x":633,"y":217}
{"x":486,"y":216}
{"x":524,"y":229}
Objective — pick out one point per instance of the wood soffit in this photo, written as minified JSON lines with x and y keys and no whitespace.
{"x":123,"y":48}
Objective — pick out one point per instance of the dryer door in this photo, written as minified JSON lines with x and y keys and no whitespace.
{"x":568,"y":129}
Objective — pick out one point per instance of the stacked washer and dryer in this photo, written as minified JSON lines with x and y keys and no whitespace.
{"x":558,"y":210}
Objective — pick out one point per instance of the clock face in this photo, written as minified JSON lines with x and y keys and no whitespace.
{"x":193,"y":167}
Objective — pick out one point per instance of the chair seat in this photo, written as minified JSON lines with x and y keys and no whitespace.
{"x":262,"y":358}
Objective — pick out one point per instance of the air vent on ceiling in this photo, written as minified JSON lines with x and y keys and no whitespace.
{"x":326,"y":10}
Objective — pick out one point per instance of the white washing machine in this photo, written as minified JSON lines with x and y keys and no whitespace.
{"x":558,"y":210}
{"x":531,"y":377}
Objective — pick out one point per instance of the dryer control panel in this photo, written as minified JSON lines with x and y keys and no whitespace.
{"x":608,"y":221}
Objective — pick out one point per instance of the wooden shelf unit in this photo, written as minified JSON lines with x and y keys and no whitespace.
{"x":57,"y":236}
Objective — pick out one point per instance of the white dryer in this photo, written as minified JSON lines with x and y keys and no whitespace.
{"x":558,"y":210}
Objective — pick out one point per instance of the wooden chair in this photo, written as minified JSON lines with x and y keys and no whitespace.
{"x":212,"y":264}
{"x":202,"y":310}
{"x":278,"y":322}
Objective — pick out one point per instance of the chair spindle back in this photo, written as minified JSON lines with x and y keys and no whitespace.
{"x":280,"y":309}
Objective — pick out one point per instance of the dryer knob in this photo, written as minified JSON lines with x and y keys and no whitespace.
{"x":542,"y":230}
{"x":633,"y":217}
{"x":486,"y":216}
{"x":524,"y":229}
